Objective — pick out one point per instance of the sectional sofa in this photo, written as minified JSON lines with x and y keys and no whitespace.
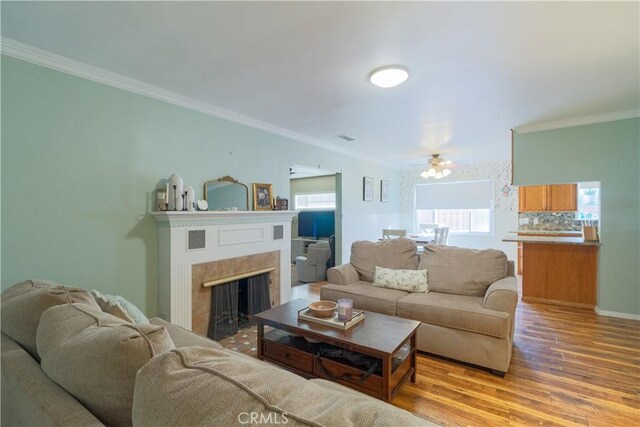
{"x":69,"y":359}
{"x":468,"y":314}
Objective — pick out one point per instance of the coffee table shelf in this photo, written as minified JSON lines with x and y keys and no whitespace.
{"x":293,"y":344}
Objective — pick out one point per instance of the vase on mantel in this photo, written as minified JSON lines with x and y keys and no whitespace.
{"x":176,"y":189}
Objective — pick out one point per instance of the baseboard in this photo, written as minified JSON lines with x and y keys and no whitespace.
{"x":557,"y":302}
{"x":616,"y":314}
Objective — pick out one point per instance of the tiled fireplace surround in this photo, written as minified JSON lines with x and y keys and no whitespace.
{"x":230,"y":243}
{"x":200,"y":273}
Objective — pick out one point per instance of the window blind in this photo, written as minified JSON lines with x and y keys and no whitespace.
{"x":455,"y":195}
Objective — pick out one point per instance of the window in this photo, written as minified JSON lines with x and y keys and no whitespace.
{"x":315,"y":201}
{"x":588,"y":200}
{"x":458,"y":220}
{"x":464,"y":207}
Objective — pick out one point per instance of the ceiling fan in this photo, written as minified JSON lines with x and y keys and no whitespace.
{"x":439,"y":167}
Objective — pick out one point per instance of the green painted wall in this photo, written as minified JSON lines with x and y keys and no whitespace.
{"x":609,"y":153}
{"x":80,"y":162}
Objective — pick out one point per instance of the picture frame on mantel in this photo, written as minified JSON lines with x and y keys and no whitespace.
{"x":367,"y":189}
{"x":262,"y":196}
{"x":384,"y":190}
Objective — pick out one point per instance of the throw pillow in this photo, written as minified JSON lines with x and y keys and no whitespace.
{"x":24,"y":303}
{"x":120,"y":307}
{"x":95,"y":356}
{"x":404,"y":280}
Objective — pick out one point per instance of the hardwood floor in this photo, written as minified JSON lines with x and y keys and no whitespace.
{"x":570,"y":367}
{"x":310,"y":291}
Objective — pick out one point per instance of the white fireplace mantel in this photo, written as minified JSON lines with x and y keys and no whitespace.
{"x":188,"y":238}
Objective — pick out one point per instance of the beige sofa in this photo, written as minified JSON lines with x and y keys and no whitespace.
{"x":67,"y":362}
{"x":468,"y":313}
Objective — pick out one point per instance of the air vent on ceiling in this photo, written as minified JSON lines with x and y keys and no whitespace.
{"x":345,"y":138}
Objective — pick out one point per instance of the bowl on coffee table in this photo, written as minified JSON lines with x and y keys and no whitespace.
{"x":323,"y":308}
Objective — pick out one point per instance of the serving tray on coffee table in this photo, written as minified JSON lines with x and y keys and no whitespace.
{"x":333,"y":322}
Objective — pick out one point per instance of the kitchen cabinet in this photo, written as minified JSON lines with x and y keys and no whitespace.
{"x":520,"y":258}
{"x":560,"y":274}
{"x":533,"y":198}
{"x":558,"y":270}
{"x":542,"y":198}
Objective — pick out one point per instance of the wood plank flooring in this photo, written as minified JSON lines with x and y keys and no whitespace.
{"x":570,"y":367}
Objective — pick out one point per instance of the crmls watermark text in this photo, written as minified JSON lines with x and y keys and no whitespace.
{"x":262,"y":418}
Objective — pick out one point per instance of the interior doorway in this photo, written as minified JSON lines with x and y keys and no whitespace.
{"x":316,"y":233}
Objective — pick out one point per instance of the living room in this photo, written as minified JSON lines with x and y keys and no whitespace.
{"x":103,"y":102}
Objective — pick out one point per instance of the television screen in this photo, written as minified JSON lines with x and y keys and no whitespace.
{"x":316,"y":224}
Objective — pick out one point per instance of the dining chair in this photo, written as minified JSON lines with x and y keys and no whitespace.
{"x":390,"y":233}
{"x":441,"y":236}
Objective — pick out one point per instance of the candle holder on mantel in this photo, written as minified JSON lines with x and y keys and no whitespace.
{"x":189,"y":197}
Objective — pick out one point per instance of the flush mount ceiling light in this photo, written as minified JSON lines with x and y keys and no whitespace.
{"x":438,"y":168}
{"x":389,"y":76}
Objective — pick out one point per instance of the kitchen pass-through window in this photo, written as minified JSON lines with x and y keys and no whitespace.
{"x":464,"y":207}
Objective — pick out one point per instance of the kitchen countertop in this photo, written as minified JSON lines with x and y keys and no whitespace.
{"x":550,"y":240}
{"x":548,"y":231}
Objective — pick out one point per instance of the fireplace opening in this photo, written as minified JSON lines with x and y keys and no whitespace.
{"x":234,"y":303}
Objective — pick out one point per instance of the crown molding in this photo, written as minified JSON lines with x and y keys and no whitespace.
{"x":579,"y":121}
{"x":66,"y":65}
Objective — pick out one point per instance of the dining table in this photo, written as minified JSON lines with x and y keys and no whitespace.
{"x":421,"y":238}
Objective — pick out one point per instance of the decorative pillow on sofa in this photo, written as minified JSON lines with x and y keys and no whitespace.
{"x":462,"y":271}
{"x":208,"y":387}
{"x":95,"y":356}
{"x":394,"y":253}
{"x":24,"y":303}
{"x":404,"y":280}
{"x":120,"y":307}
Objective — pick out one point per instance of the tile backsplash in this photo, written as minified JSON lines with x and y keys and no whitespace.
{"x":549,"y":221}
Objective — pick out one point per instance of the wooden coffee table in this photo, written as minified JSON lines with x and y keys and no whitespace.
{"x":390,"y":339}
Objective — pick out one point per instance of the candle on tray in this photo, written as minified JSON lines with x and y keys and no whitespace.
{"x":345,"y":309}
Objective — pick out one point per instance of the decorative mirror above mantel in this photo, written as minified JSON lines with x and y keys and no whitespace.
{"x":226,"y":193}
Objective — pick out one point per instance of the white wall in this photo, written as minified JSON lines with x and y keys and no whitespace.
{"x":505,"y":214}
{"x":365,"y":220}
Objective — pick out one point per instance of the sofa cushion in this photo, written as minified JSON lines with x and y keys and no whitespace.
{"x":94,"y":356}
{"x":24,"y":303}
{"x":365,"y":296}
{"x":120,"y":307}
{"x":404,"y":280}
{"x":208,"y":387}
{"x":454,"y":311}
{"x":31,"y":398}
{"x":462,"y":271}
{"x":394,"y":253}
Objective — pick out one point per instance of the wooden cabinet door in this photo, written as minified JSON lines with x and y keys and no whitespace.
{"x":533,"y":198}
{"x":562,"y":197}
